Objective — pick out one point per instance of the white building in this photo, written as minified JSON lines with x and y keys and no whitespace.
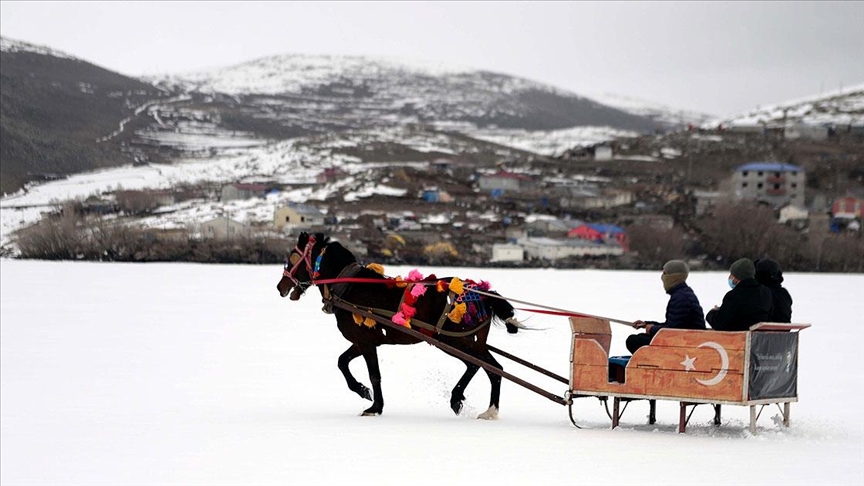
{"x":583,"y":198}
{"x":802,"y":131}
{"x":602,"y":153}
{"x":507,"y":252}
{"x":792,"y":213}
{"x":298,"y":216}
{"x":224,"y":228}
{"x":551,"y":249}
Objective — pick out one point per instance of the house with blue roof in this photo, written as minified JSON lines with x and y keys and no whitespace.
{"x":774,"y":183}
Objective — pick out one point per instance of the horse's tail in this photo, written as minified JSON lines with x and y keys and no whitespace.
{"x":503,"y":311}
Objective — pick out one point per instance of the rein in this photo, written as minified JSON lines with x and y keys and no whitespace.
{"x":305,"y":256}
{"x":542,"y":309}
{"x":552,"y":310}
{"x":337,"y":280}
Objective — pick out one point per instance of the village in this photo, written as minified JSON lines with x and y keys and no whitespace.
{"x":607,"y":205}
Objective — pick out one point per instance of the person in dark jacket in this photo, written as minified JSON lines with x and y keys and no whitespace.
{"x":768,"y":273}
{"x":748,"y":303}
{"x":682,"y":312}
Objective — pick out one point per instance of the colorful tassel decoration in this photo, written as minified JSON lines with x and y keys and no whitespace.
{"x":456,"y":286}
{"x":409,"y":298}
{"x":418,"y":290}
{"x":376,"y":267}
{"x":456,"y":314}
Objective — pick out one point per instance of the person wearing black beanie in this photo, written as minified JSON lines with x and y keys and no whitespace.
{"x":768,"y":273}
{"x":746,"y":304}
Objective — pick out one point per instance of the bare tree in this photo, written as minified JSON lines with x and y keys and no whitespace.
{"x":53,"y":238}
{"x":136,"y":202}
{"x":843,"y":253}
{"x":656,"y":246}
{"x":745,"y":230}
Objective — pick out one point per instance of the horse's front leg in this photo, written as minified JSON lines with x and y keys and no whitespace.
{"x":457,"y":396}
{"x":353,"y":385}
{"x":371,"y":356}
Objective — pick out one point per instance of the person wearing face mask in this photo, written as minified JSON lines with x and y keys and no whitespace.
{"x":682,"y":312}
{"x":748,"y":303}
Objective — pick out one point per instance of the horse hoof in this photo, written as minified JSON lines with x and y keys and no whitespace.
{"x":364,"y":393}
{"x":367,"y":413}
{"x":490,"y":414}
{"x":456,"y":407}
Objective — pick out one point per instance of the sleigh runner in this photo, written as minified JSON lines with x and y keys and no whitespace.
{"x":751,"y":368}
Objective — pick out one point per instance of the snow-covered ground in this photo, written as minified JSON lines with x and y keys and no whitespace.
{"x":550,"y":143}
{"x":200,"y":374}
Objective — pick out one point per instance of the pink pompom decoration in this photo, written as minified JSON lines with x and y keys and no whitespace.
{"x":484,"y":285}
{"x":418,"y":290}
{"x":415,"y":275}
{"x":398,"y":318}
{"x":408,"y":311}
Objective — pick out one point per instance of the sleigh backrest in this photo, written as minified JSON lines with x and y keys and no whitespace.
{"x":592,"y":328}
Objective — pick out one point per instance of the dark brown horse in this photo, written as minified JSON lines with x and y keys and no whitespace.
{"x":316,"y":260}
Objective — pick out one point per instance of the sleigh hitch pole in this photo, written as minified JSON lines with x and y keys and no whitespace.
{"x":456,"y":352}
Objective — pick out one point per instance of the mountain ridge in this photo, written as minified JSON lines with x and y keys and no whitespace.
{"x":64,"y":115}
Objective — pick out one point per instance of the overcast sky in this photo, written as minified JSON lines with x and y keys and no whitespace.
{"x":720,"y":58}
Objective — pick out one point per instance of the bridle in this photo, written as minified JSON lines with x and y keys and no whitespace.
{"x":302,"y":256}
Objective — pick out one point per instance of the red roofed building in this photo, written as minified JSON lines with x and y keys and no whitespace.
{"x":601,"y":233}
{"x":847,"y":207}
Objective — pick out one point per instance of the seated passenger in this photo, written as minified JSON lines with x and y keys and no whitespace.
{"x":768,"y":273}
{"x":682,"y":312}
{"x":748,"y":303}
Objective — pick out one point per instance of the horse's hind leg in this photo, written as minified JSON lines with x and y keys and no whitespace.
{"x":495,"y":380}
{"x":457,"y":396}
{"x":354,"y":385}
{"x":371,"y":357}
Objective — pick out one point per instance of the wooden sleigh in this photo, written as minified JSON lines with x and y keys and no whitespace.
{"x":751,"y":368}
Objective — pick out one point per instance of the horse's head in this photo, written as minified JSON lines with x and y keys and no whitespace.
{"x":297,"y":274}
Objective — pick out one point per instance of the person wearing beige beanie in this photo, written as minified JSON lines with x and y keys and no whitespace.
{"x":682,"y":312}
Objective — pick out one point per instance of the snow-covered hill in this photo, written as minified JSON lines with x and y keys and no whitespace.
{"x":841,"y":107}
{"x":661,"y":113}
{"x":357,"y":92}
{"x":13,"y":45}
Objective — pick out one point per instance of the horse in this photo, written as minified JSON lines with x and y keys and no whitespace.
{"x":345,"y":284}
